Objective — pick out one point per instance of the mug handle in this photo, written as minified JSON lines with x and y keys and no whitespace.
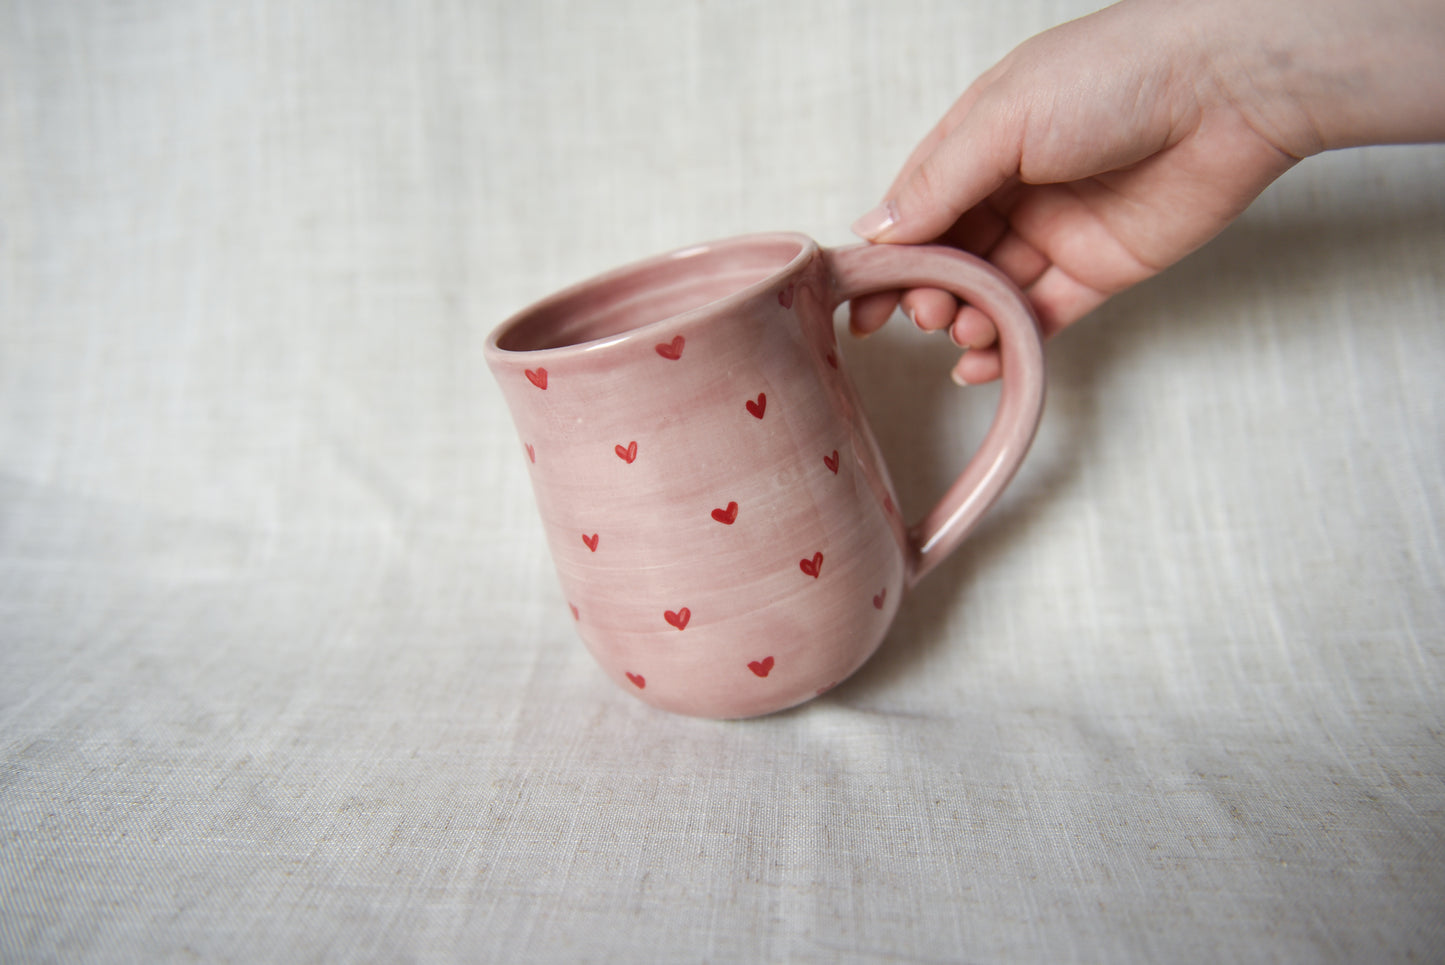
{"x":864,"y":269}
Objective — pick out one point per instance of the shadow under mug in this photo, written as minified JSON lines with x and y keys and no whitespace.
{"x":720,"y":516}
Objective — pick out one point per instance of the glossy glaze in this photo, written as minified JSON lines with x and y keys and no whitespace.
{"x":721,"y":519}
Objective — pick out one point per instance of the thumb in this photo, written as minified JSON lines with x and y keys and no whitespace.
{"x":975,"y":159}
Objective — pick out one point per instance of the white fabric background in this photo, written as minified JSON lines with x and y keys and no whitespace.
{"x":285,"y":674}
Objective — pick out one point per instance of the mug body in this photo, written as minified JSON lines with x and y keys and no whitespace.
{"x":717,"y":508}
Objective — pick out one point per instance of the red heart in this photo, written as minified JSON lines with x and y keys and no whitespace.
{"x":678,"y":618}
{"x":531,"y":453}
{"x":591,"y":541}
{"x":575,"y":614}
{"x":878,"y":600}
{"x":627,"y":454}
{"x":537,"y":378}
{"x":832,"y":462}
{"x":761,"y":667}
{"x":726,"y":516}
{"x":759,"y":407}
{"x":785,"y":297}
{"x":813,"y":566}
{"x":637,"y":679}
{"x":671,"y":350}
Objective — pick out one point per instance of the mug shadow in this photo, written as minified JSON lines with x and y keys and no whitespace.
{"x":915,"y":410}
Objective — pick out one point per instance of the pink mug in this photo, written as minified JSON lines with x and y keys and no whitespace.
{"x":722,"y":522}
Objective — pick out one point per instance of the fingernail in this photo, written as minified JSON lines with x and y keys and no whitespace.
{"x":958,"y":379}
{"x":877,"y":221}
{"x":913,"y":318}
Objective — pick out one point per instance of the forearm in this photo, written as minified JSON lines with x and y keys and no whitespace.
{"x":1325,"y":74}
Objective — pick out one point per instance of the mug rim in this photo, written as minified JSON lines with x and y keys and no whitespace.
{"x":807,"y":248}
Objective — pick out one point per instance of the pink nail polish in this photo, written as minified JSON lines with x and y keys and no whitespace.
{"x":877,"y":221}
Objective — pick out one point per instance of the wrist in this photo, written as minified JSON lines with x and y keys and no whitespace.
{"x":1324,"y":74}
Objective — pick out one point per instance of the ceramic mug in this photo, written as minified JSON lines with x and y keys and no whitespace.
{"x":720,"y":516}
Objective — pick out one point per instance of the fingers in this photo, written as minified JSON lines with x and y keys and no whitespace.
{"x":1060,"y":300}
{"x":945,"y":126}
{"x":1057,"y":299}
{"x":978,"y":366}
{"x":982,"y":230}
{"x":1018,"y":259}
{"x":868,"y":313}
{"x":930,"y":308}
{"x":955,"y":172}
{"x":972,"y":329}
{"x":979,"y":229}
{"x":933,"y":310}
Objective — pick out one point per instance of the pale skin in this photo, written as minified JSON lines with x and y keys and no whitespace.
{"x":1099,"y":153}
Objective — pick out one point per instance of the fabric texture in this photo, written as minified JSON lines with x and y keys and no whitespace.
{"x":285,"y":672}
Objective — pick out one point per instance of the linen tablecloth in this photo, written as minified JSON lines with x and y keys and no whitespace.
{"x":285,"y":672}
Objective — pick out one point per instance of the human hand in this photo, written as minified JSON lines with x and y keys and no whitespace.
{"x":1100,"y":152}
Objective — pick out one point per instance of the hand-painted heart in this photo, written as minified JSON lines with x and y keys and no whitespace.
{"x":762,"y":667}
{"x":726,"y":516}
{"x":678,"y":618}
{"x":591,"y":541}
{"x":813,"y":566}
{"x":531,"y":453}
{"x":637,"y":679}
{"x":627,"y":453}
{"x":832,"y":462}
{"x":537,"y":377}
{"x":671,"y":350}
{"x":759,"y":407}
{"x":785,"y":297}
{"x":879,"y":598}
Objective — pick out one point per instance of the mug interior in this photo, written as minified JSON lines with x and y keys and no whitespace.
{"x":652,"y":291}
